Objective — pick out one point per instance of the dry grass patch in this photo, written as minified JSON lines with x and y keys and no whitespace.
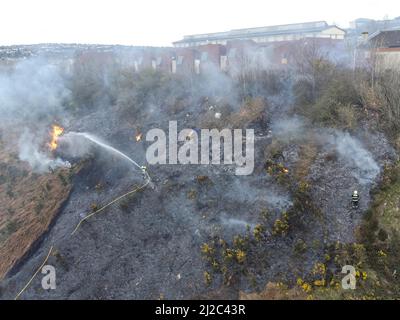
{"x":28,"y":204}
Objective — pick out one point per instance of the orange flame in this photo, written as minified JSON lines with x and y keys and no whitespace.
{"x":285,"y":170}
{"x":138,"y":137}
{"x":55,"y":133}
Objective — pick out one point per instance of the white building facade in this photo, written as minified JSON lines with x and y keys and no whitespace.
{"x":290,"y":32}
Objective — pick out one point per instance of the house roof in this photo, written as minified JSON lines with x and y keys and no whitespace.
{"x":386,"y":38}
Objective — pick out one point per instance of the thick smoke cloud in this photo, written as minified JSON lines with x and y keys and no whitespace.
{"x":29,"y":151}
{"x":32,"y":94}
{"x":352,"y":152}
{"x":32,"y":91}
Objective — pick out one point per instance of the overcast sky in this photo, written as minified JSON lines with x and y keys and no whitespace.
{"x":159,"y":22}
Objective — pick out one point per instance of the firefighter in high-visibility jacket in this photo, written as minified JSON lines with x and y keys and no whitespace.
{"x":355,"y":198}
{"x":144,"y":172}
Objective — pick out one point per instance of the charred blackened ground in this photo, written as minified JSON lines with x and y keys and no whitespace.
{"x":202,"y":231}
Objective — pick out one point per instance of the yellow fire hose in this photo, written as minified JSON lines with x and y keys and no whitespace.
{"x":148,"y":179}
{"x":34,"y":275}
{"x":109,"y":204}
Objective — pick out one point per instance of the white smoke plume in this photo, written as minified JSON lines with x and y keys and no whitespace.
{"x":40,"y":161}
{"x":32,"y":94}
{"x":74,"y":145}
{"x":237,"y":223}
{"x":352,"y":151}
{"x":32,"y":91}
{"x":288,"y":127}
